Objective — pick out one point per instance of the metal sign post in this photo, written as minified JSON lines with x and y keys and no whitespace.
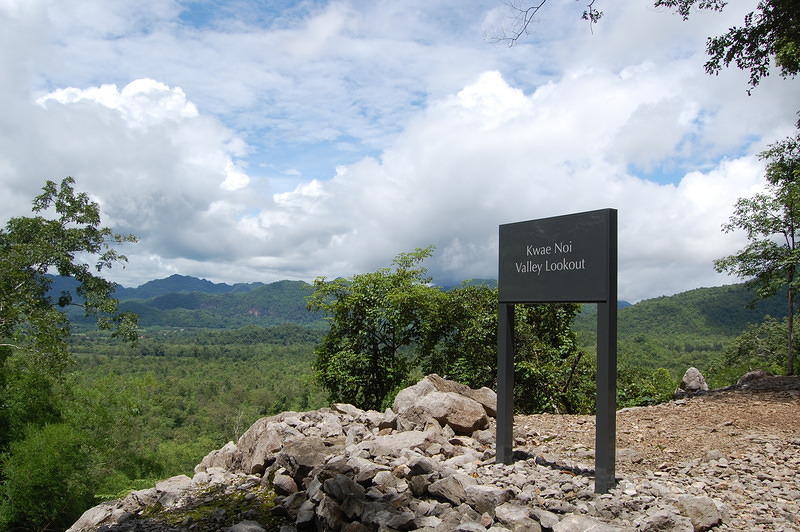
{"x":565,"y":259}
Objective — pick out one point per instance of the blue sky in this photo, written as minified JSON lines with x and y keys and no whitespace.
{"x":257,"y":141}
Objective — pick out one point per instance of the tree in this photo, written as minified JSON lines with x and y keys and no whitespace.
{"x":373,"y":317}
{"x":550,"y":373}
{"x":32,"y":324}
{"x":463,"y":341}
{"x":760,"y":346}
{"x":770,"y":32}
{"x":770,"y":221}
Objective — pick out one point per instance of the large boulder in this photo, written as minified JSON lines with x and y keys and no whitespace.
{"x":395,"y":444}
{"x":751,"y":376}
{"x":692,"y":382}
{"x":299,"y":457}
{"x":408,"y":397}
{"x":226,"y":457}
{"x":450,"y":403}
{"x":464,"y":415}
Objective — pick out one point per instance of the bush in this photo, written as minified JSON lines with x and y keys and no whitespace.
{"x":644,"y":387}
{"x":46,"y":484}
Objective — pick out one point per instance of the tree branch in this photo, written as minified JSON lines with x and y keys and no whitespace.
{"x":526,"y":15}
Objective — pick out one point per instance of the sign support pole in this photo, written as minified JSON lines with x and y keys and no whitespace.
{"x":606,"y":400}
{"x":505,"y":383}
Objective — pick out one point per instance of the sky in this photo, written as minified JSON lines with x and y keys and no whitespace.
{"x":250,"y":141}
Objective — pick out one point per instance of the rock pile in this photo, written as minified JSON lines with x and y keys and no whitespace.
{"x":427,"y":464}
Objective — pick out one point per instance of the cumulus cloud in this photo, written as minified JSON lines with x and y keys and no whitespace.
{"x":491,"y":154}
{"x":157,"y":167}
{"x":141,"y":103}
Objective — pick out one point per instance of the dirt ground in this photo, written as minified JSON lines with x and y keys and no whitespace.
{"x":659,"y":437}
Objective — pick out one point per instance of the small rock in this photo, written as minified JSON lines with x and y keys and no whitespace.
{"x":666,"y":521}
{"x":246,"y":526}
{"x":702,"y":511}
{"x":581,"y":523}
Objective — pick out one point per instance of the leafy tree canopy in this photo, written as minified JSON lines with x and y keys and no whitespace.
{"x":770,"y":221}
{"x":771,"y":31}
{"x":30,"y":247}
{"x":373,"y":316}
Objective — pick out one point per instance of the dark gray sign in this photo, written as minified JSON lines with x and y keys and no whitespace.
{"x":570,"y":258}
{"x":559,"y":259}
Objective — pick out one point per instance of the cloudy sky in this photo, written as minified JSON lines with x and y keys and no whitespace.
{"x":257,"y":141}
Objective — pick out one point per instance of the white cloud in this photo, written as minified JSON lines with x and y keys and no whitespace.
{"x":235,"y":179}
{"x":157,"y":167}
{"x":438,"y":135}
{"x":491,"y":155}
{"x":141,"y":103}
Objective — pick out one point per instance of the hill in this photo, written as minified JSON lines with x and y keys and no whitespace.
{"x":265,"y":305}
{"x":174,"y":284}
{"x":716,"y":311}
{"x":183,"y":301}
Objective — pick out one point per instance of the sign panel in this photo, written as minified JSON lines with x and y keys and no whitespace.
{"x":559,"y":259}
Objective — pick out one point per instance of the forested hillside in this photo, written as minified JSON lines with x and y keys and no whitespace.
{"x":693,"y":328}
{"x":213,"y":306}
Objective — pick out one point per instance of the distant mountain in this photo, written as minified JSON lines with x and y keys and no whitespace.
{"x":264,"y":305}
{"x":184,"y":301}
{"x":177,"y":284}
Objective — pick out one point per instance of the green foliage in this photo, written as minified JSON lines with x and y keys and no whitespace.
{"x":770,"y":221}
{"x":693,"y":328}
{"x":373,"y":317}
{"x":550,"y":373}
{"x":717,"y":312}
{"x":47,"y":485}
{"x":48,"y":469}
{"x":638,"y":386}
{"x":772,"y":31}
{"x":383,"y":321}
{"x":29,"y":397}
{"x":463,"y":337}
{"x":33,"y":325}
{"x":158,"y":416}
{"x":760,"y":346}
{"x":30,"y":247}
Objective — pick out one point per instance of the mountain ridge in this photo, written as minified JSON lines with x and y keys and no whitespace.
{"x":177,"y":283}
{"x":185,"y":301}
